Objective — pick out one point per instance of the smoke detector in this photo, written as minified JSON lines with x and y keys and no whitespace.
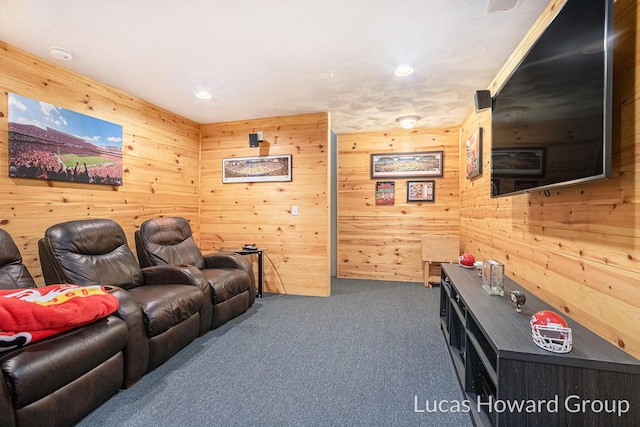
{"x":61,"y":53}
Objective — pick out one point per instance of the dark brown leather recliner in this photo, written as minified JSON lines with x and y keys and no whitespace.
{"x":165,"y":307}
{"x":168,"y":240}
{"x":57,"y":380}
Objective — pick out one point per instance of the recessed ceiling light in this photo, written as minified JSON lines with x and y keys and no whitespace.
{"x":325,"y":76}
{"x":203,"y":95}
{"x":61,"y":53}
{"x":403,"y":71}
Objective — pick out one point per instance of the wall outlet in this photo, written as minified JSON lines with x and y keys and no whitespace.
{"x":294,"y":210}
{"x":260,"y":138}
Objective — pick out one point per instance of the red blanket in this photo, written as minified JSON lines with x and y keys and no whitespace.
{"x":28,"y":315}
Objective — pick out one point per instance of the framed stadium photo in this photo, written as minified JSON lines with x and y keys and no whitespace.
{"x":256,"y":169}
{"x":407,"y":165}
{"x":52,"y":143}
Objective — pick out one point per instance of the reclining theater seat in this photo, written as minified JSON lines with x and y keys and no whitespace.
{"x":56,"y":380}
{"x":162,"y":241}
{"x":165,"y":307}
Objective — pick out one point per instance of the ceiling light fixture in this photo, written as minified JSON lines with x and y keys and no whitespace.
{"x":403,"y":71}
{"x":61,"y":53}
{"x":203,"y":95}
{"x":407,"y":122}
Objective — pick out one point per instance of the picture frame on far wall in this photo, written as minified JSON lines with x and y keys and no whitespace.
{"x":421,"y":164}
{"x":421,"y":191}
{"x":385,"y":193}
{"x":474,"y":154}
{"x":256,"y":169}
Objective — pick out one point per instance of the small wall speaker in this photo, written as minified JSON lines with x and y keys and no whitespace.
{"x":253,"y":140}
{"x":483,"y":99}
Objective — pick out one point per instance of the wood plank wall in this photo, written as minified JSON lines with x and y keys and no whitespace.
{"x":297,"y":257}
{"x":384,"y":242}
{"x":580,"y":248}
{"x":160,"y":158}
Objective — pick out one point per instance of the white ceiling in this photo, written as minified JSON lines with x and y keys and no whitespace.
{"x":263,"y":58}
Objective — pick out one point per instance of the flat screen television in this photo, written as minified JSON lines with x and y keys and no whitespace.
{"x":551,"y":119}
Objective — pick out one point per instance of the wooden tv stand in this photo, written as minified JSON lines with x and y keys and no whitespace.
{"x":509,"y":381}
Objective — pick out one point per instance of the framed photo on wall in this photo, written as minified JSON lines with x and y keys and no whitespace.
{"x":421,"y":191}
{"x":256,"y":169}
{"x":385,"y":193}
{"x":420,"y":164}
{"x":474,"y":154}
{"x":52,"y":143}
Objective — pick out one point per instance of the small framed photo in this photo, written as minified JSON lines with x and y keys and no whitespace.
{"x":385,"y":193}
{"x":421,"y":191}
{"x":474,"y":154}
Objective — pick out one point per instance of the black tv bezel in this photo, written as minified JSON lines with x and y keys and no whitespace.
{"x":606,"y":113}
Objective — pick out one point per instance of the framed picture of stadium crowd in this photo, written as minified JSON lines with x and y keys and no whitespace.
{"x":53,"y":143}
{"x":256,"y":169}
{"x":407,"y":165}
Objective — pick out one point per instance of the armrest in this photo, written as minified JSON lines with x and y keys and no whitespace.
{"x":226,"y":260}
{"x":232,"y":260}
{"x":229,"y":260}
{"x":136,"y":354}
{"x":174,"y":275}
{"x":183,"y":275}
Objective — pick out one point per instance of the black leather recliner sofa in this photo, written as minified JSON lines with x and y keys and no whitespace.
{"x":169,"y":241}
{"x":57,"y":380}
{"x":165,"y":307}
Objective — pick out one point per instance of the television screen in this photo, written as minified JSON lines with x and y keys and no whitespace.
{"x":551,"y":118}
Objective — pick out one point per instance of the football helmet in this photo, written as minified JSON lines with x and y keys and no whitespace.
{"x":551,"y":332}
{"x":466,"y":260}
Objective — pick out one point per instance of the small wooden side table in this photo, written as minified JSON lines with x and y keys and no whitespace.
{"x":438,"y":248}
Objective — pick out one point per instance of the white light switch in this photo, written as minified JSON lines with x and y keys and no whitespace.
{"x":294,"y":210}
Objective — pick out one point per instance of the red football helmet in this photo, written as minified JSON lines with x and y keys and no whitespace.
{"x":466,"y":260}
{"x":551,"y":332}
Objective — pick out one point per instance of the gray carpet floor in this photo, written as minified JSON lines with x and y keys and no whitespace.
{"x":361,"y":357}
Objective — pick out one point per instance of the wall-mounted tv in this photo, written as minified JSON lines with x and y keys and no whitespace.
{"x":551,"y":120}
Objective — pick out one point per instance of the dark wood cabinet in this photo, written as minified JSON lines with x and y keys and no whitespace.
{"x":509,"y":381}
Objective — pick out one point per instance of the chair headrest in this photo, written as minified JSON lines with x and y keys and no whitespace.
{"x":13,"y":273}
{"x":92,"y":252}
{"x":168,"y":240}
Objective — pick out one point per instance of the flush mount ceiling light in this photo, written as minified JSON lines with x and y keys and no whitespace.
{"x":403,"y":71}
{"x":407,"y":122}
{"x":61,"y":53}
{"x":325,"y":76}
{"x":203,"y":95}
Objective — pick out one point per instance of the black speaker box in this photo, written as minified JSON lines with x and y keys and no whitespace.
{"x":483,"y":99}
{"x":253,"y":140}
